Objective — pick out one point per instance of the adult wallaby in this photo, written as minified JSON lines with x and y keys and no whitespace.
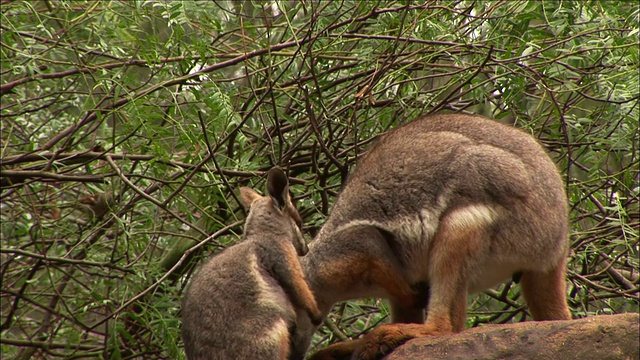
{"x":242,"y":303}
{"x":446,"y":205}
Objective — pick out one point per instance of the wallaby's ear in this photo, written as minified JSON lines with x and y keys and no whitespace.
{"x":248,"y":196}
{"x":278,"y":186}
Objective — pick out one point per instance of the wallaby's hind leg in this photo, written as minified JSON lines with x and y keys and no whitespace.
{"x":400,"y":313}
{"x":545,"y":293}
{"x":446,"y":314}
{"x":446,"y":317}
{"x":386,"y":276}
{"x":372,"y":264}
{"x":455,"y":248}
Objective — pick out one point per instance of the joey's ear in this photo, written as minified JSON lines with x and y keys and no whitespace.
{"x":248,"y":196}
{"x":278,"y":186}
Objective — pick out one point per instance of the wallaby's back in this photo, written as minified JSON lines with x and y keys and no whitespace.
{"x":440,"y":164}
{"x":242,"y":303}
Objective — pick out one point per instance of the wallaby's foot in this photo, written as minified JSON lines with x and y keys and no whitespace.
{"x":386,"y":338}
{"x":377,"y":343}
{"x":381,"y":341}
{"x":339,"y":351}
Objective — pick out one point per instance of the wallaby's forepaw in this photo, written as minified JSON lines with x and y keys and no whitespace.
{"x":340,"y":351}
{"x":380,"y":342}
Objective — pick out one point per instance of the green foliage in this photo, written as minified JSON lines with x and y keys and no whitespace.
{"x":127,"y":126}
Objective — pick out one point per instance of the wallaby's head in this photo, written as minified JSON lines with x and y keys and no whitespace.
{"x":273,"y":215}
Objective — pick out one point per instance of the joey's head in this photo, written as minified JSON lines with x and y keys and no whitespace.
{"x":273,"y":215}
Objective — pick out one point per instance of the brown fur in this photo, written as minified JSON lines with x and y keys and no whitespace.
{"x":456,"y":202}
{"x":242,"y":303}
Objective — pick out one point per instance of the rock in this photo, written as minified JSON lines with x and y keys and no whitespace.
{"x":597,"y":337}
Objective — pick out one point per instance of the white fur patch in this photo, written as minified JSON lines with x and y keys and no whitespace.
{"x":472,"y":217}
{"x":430,"y":222}
{"x":422,"y":227}
{"x":408,"y":228}
{"x":358,"y":223}
{"x":415,"y":229}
